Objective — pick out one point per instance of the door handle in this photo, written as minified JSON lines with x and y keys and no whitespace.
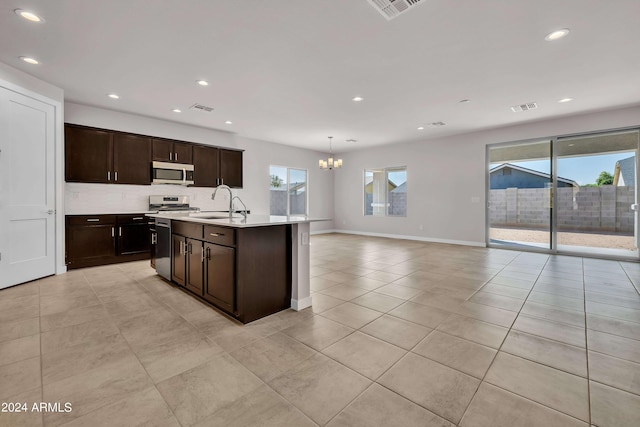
{"x":154,"y":238}
{"x":634,"y":207}
{"x":116,"y":176}
{"x":119,"y":231}
{"x":109,"y":176}
{"x":202,"y":257}
{"x":176,"y":156}
{"x":208,"y":253}
{"x":51,"y":212}
{"x":170,"y":155}
{"x":113,"y":231}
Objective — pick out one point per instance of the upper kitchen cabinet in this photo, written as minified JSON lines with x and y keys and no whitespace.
{"x":231,"y":168}
{"x":205,"y":166}
{"x":102,"y":156}
{"x":214,"y":166}
{"x":166,"y":150}
{"x":131,"y":159}
{"x":88,"y":154}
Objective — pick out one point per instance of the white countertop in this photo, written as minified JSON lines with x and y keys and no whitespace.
{"x":238,"y":221}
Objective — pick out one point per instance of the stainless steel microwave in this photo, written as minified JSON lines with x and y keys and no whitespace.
{"x":171,"y":173}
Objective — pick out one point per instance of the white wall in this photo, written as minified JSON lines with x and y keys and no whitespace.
{"x":21,"y":82}
{"x":258,"y":156}
{"x":443,"y":177}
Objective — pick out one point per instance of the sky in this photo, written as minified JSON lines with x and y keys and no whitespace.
{"x":583,"y":170}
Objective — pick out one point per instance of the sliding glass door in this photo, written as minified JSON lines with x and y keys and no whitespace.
{"x":573,"y":195}
{"x":597,"y":199}
{"x":519,"y":199}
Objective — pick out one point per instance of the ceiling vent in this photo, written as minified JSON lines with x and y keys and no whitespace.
{"x":201,"y":107}
{"x":393,"y":8}
{"x":524,"y":107}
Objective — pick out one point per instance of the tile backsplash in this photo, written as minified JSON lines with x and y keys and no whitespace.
{"x":93,"y":199}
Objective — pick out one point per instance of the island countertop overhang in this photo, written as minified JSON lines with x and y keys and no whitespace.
{"x":252,"y":220}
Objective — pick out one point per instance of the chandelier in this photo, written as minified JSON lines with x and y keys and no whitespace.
{"x":330,"y":163}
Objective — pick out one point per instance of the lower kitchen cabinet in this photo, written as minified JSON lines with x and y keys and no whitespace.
{"x":93,"y":240}
{"x":245,"y":272}
{"x":178,"y":260}
{"x":220,"y":281}
{"x":195,"y":266}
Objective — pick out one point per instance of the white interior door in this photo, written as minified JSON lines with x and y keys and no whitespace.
{"x":27,"y":198}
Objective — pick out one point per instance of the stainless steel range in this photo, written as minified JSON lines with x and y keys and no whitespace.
{"x":161,"y":236}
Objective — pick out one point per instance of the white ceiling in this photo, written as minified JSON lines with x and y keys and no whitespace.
{"x":286,"y":70}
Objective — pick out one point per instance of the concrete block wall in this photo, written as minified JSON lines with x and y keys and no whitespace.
{"x":599,"y":209}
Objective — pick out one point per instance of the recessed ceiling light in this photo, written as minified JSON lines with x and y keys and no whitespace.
{"x":558,"y":34}
{"x":464,"y":101}
{"x":177,"y":110}
{"x":421,"y":128}
{"x":228,"y":122}
{"x":351,"y":141}
{"x":563,"y":100}
{"x":113,"y":96}
{"x":357,"y":98}
{"x":29,"y":60}
{"x":30,"y":16}
{"x":202,"y":82}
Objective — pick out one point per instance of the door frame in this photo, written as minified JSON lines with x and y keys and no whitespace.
{"x":554,"y":214}
{"x":58,"y":149}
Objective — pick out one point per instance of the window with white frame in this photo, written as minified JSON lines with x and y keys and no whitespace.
{"x":288,"y":191}
{"x":385,"y":192}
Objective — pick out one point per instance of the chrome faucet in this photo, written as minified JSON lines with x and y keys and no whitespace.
{"x":244,"y":211}
{"x":225,"y":187}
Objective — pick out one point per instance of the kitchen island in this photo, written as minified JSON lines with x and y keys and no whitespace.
{"x":249,"y":267}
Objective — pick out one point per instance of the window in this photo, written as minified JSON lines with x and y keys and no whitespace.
{"x":385,"y":192}
{"x":288,"y":191}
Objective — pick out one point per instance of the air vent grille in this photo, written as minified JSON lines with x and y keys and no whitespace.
{"x":524,"y":107}
{"x":393,"y":8}
{"x":201,"y":107}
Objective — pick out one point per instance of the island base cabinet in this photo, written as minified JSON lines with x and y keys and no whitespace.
{"x":195,"y":266}
{"x":220,"y":276}
{"x":178,"y":260}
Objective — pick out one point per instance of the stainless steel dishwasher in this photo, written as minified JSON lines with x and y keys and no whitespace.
{"x":163,"y":248}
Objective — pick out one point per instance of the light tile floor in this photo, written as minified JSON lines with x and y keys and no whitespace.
{"x":400,"y":333}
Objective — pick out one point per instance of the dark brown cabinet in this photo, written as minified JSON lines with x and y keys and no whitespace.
{"x":133,"y":234}
{"x":178,"y":259}
{"x":111,"y":157}
{"x":88,"y":154}
{"x":220,"y":280}
{"x":131,"y":159}
{"x":195,"y":266}
{"x":231,"y":168}
{"x":214,"y":166}
{"x":205,"y":166}
{"x":101,"y":156}
{"x":105,"y":239}
{"x":245,"y":272}
{"x":166,"y":150}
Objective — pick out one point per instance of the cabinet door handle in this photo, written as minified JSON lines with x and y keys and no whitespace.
{"x":208,"y":253}
{"x":109,"y":176}
{"x":113,"y":231}
{"x":154,"y":238}
{"x":170,"y":156}
{"x":116,"y":176}
{"x":188,"y":248}
{"x":137,"y":218}
{"x":216,"y":234}
{"x":176,"y":156}
{"x":202,"y":256}
{"x":93,"y":220}
{"x":221,"y":181}
{"x":119,"y":231}
{"x":181,"y":248}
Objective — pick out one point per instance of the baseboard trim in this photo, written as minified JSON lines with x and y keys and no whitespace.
{"x":404,"y":237}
